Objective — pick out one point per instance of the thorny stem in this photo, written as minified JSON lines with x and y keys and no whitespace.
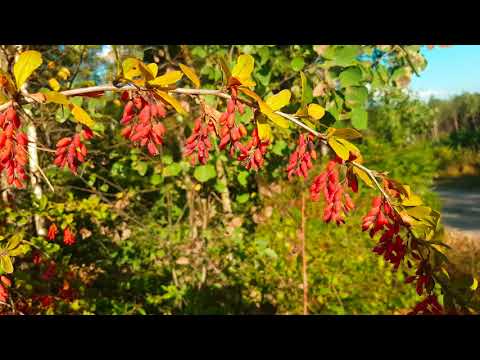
{"x":219,"y":93}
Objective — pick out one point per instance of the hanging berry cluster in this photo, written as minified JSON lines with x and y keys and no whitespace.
{"x":252,"y":155}
{"x":230,"y":132}
{"x":13,"y":148}
{"x":71,"y":152}
{"x":338,"y":201}
{"x":199,"y":142}
{"x":382,"y":217}
{"x":301,"y":159}
{"x":141,"y":125}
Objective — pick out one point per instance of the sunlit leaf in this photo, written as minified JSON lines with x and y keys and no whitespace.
{"x":153,"y":68}
{"x":316,"y":111}
{"x":243,"y":70}
{"x":264,"y":130}
{"x":347,"y":133}
{"x":338,"y":147}
{"x":170,"y":77}
{"x":364,"y":176}
{"x":277,"y":119}
{"x":63,"y":73}
{"x":81,"y":116}
{"x":54,"y":84}
{"x":6,"y":263}
{"x":279,"y":100}
{"x":172,"y":101}
{"x":131,"y":68}
{"x":190,"y":73}
{"x":250,"y":93}
{"x":25,"y":65}
{"x":56,"y":97}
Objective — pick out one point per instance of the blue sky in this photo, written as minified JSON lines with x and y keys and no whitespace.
{"x":450,"y":71}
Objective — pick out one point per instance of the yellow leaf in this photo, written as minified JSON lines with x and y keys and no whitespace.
{"x":279,"y":100}
{"x":350,"y":147}
{"x":190,"y":73}
{"x":56,"y":97}
{"x":250,"y":93}
{"x":54,"y":84}
{"x":264,"y":131}
{"x":25,"y":65}
{"x":347,"y":133}
{"x":338,"y":148}
{"x":277,"y":119}
{"x":412,"y":200}
{"x":153,"y":68}
{"x":474,"y":285}
{"x":364,"y":176}
{"x":316,"y":111}
{"x":81,"y":116}
{"x":166,"y":79}
{"x":244,"y":67}
{"x":147,"y":72}
{"x":131,"y":68}
{"x":6,"y":263}
{"x":243,"y":70}
{"x":63,"y":73}
{"x":172,"y":101}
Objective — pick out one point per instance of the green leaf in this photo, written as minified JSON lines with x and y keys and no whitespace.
{"x":156,"y":179}
{"x":356,"y":96}
{"x":172,"y":170}
{"x":350,"y":77}
{"x":204,"y":173}
{"x":345,"y":55}
{"x":297,"y":63}
{"x":242,"y":177}
{"x":359,"y":118}
{"x":243,"y":198}
{"x":220,"y":187}
{"x":278,"y":148}
{"x":141,"y":167}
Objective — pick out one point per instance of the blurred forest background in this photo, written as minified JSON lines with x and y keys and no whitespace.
{"x":156,"y":237}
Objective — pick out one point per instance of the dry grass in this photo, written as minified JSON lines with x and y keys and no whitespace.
{"x":465,"y":252}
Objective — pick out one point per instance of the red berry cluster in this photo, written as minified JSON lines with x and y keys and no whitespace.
{"x":52,"y":232}
{"x":252,"y":154}
{"x":44,"y":300}
{"x":428,"y":306}
{"x":301,"y":159}
{"x":200,"y":142}
{"x":338,"y":201}
{"x":230,"y":133}
{"x":146,"y":130}
{"x":13,"y":148}
{"x":70,"y":152}
{"x":390,"y":244}
{"x":68,"y":237}
{"x":5,"y":283}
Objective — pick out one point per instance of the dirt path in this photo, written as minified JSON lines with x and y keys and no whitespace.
{"x":461,"y":210}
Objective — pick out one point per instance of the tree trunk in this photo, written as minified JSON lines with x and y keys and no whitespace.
{"x":33,"y":162}
{"x":34,"y":175}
